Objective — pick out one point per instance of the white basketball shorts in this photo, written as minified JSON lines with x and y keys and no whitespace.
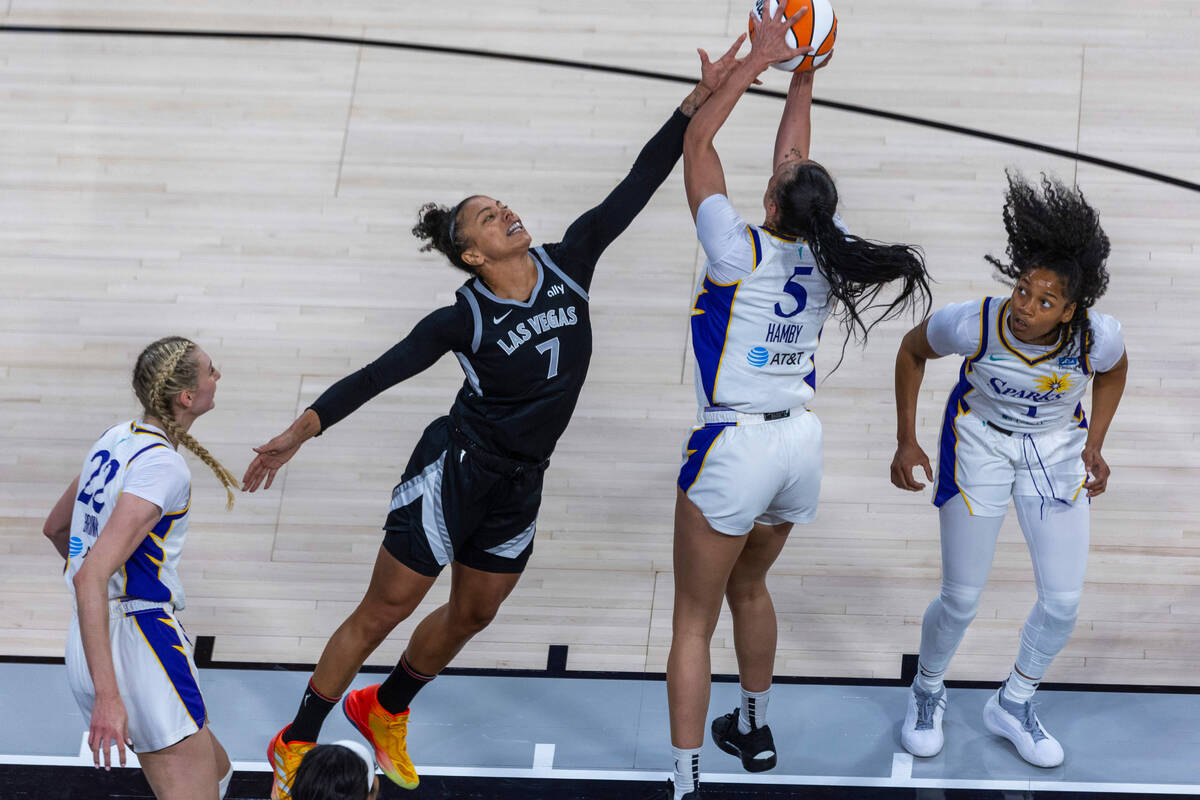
{"x":156,"y":675}
{"x":741,"y":474}
{"x":988,"y":466}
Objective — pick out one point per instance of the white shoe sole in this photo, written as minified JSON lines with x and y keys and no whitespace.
{"x":1001,"y":723}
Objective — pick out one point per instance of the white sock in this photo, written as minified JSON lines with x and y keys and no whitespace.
{"x":1018,"y":688}
{"x":929,"y":681}
{"x":687,"y":770}
{"x":223,"y":784}
{"x":754,"y":710}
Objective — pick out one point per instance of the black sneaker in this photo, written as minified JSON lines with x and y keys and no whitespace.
{"x":756,"y":748}
{"x":694,"y":794}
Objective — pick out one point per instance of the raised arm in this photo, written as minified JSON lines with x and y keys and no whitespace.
{"x":1107,"y":389}
{"x":794,"y":137}
{"x":440,"y":332}
{"x":914,"y":351}
{"x":702,"y":172}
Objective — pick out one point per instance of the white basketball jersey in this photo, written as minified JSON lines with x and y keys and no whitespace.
{"x":755,"y":338}
{"x":137,"y":458}
{"x":1026,"y":388}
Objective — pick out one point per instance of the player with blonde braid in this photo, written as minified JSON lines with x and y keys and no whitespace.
{"x":170,"y":375}
{"x":121,"y":525}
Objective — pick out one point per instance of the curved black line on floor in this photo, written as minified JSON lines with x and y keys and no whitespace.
{"x":614,"y":70}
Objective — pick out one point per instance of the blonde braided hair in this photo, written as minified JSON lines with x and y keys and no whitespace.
{"x":163,"y":370}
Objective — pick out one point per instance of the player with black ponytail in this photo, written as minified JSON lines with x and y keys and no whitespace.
{"x":752,"y":467}
{"x":1014,"y":430}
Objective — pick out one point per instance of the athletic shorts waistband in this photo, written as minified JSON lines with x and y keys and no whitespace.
{"x":509,"y":467}
{"x":721,"y":415}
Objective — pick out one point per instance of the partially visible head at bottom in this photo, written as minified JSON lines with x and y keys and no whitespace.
{"x":343,"y":770}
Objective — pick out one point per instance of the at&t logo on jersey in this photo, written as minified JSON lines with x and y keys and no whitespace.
{"x":76,"y":546}
{"x":758,"y":357}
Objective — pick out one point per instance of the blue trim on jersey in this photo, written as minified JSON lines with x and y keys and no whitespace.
{"x":143,"y":570}
{"x":711,"y":316}
{"x":754,"y":240}
{"x":135,"y":428}
{"x":983,"y":335}
{"x":166,"y":642}
{"x":1080,"y":417}
{"x":481,"y":287}
{"x":811,"y":377}
{"x":783,"y":237}
{"x":699,"y":443}
{"x":956,"y":404}
{"x":144,"y":449}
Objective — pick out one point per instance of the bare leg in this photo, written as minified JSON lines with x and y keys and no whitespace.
{"x":703,"y":561}
{"x":475,"y":597}
{"x":186,"y":770}
{"x":754,"y":627}
{"x":394,"y":591}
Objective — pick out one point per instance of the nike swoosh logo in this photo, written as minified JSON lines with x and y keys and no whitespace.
{"x":499,"y":319}
{"x":998,"y":358}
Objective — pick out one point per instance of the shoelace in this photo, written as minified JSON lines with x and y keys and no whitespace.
{"x":1030,"y":722}
{"x":926,"y":705}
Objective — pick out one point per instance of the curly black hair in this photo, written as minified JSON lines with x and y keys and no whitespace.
{"x":436,"y":225}
{"x":856,"y":269}
{"x":1051,"y":226}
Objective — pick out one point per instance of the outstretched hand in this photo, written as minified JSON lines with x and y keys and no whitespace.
{"x":271,"y":457}
{"x":768,"y":44}
{"x":714,"y":73}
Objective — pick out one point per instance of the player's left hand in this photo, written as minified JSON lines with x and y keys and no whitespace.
{"x":714,"y":73}
{"x":1098,"y":469}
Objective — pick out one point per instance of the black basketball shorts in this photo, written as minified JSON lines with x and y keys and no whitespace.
{"x":458,"y":502}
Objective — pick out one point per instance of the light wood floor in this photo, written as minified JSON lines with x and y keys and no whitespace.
{"x":258,"y":196}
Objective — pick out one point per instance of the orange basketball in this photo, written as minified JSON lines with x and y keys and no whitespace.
{"x":816,"y":29}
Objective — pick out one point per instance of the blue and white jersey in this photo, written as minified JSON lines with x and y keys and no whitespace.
{"x":137,"y":458}
{"x":1020,"y":387}
{"x":757,"y":317}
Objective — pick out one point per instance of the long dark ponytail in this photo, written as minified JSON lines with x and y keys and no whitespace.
{"x":856,"y":269}
{"x":1051,"y":226}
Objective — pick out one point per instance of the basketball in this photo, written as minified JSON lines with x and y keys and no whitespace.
{"x":816,"y":29}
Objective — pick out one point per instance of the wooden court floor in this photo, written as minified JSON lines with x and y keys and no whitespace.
{"x":257,"y":196}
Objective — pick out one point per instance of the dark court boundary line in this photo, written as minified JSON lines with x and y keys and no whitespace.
{"x":556,"y":667}
{"x":613,"y":70}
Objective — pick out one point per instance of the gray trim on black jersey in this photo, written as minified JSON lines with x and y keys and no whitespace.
{"x":544,"y":257}
{"x":516,"y":545}
{"x":469,"y":371}
{"x":483,"y":290}
{"x":474,"y":304}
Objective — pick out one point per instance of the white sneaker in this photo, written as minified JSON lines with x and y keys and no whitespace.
{"x":922,"y":731}
{"x":1019,"y":724}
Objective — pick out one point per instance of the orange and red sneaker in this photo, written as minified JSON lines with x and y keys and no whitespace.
{"x":385,"y":731}
{"x":284,"y":758}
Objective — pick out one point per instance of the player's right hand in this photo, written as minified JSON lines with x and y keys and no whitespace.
{"x":908,"y":456}
{"x":110,"y":725}
{"x":271,"y":457}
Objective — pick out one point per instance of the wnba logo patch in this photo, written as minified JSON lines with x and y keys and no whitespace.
{"x":758,"y":357}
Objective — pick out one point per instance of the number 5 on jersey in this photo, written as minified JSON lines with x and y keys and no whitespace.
{"x":796,"y":291}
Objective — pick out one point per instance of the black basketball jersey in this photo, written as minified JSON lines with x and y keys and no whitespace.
{"x":526,"y":363}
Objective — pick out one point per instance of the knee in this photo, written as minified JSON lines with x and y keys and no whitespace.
{"x":1059,"y":609}
{"x":960,"y":602}
{"x":473,"y":618}
{"x":746,"y":593}
{"x":375,"y":620}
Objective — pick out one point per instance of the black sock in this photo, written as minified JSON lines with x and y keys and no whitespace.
{"x":401,"y":686}
{"x":314,"y":708}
